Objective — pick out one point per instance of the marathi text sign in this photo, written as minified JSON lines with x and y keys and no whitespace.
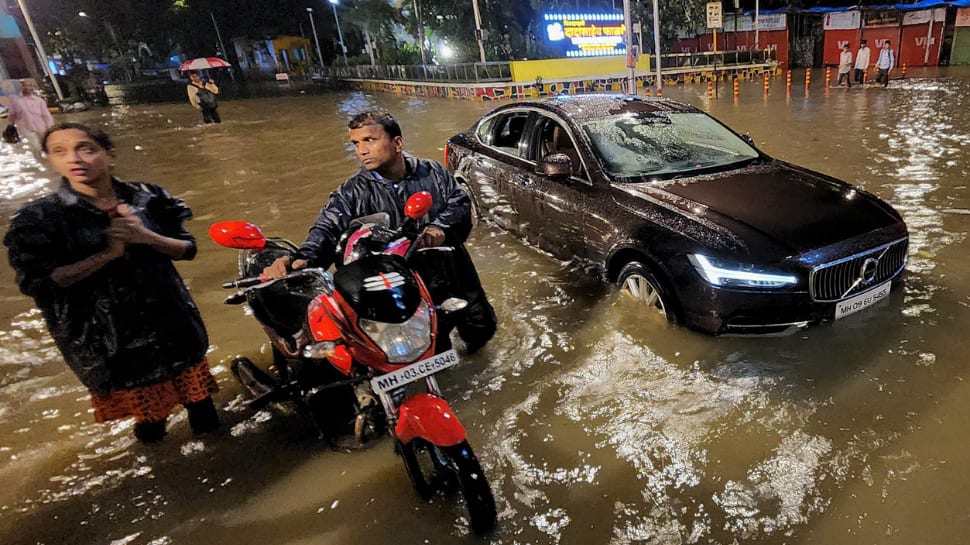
{"x":963,"y":17}
{"x":745,"y":23}
{"x":881,"y":18}
{"x":922,"y":17}
{"x":842,"y":20}
{"x":586,"y":34}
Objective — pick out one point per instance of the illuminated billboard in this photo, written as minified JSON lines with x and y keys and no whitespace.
{"x":586,"y":34}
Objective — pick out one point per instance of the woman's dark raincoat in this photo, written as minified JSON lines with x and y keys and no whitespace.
{"x":131,"y":323}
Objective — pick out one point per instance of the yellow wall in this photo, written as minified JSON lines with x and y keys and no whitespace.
{"x":291,"y":42}
{"x":552,"y":69}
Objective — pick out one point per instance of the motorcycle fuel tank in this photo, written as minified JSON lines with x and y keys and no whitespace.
{"x":380,"y":288}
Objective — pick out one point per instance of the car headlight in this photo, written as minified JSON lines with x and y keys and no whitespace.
{"x":403,"y":342}
{"x":738,"y":276}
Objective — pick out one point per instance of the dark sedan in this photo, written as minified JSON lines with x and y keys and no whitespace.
{"x":682,"y":212}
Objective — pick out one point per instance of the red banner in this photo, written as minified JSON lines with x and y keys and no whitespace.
{"x":876,"y":36}
{"x":834,"y":39}
{"x":912,"y":49}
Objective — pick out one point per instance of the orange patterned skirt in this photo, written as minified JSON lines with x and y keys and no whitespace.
{"x":156,"y":401}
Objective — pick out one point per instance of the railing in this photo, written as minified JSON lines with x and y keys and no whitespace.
{"x":490,"y":72}
{"x":705,"y":59}
{"x":464,"y":73}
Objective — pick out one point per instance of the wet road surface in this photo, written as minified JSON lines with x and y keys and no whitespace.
{"x":594,"y":423}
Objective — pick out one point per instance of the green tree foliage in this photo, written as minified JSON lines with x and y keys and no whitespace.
{"x":378,"y":19}
{"x":131,"y":34}
{"x":674,"y":15}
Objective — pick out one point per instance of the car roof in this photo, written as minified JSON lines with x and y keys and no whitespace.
{"x":596,"y":106}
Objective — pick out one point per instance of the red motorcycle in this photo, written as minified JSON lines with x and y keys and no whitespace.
{"x":360,"y":348}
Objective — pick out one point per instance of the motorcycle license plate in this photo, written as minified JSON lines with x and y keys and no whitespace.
{"x":415,"y":371}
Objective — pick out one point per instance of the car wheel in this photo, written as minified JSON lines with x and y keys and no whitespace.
{"x":476,"y":213}
{"x":640,"y":283}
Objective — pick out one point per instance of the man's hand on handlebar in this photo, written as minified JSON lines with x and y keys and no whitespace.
{"x":433,"y":236}
{"x":282,"y":266}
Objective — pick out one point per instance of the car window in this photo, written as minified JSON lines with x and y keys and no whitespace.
{"x":550,"y":136}
{"x":508,"y":132}
{"x":484,"y":132}
{"x":665,"y":143}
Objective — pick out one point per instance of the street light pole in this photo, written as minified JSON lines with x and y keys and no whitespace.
{"x":40,"y":50}
{"x":222,"y":45}
{"x":757,"y":7}
{"x":417,"y":15}
{"x":628,"y":38}
{"x":309,"y":12}
{"x":656,"y":45}
{"x":333,"y":4}
{"x":478,"y":31}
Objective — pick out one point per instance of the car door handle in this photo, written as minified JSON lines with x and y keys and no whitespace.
{"x":523,"y":181}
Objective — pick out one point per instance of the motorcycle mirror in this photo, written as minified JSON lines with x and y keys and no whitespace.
{"x":240,"y":235}
{"x":453,"y":304}
{"x":418,"y":205}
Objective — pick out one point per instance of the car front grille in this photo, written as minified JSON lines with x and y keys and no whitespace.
{"x":839,"y":279}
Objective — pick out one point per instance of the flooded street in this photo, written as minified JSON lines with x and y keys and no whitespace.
{"x":594,"y":424}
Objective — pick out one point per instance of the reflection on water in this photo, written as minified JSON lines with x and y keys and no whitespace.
{"x":595,"y":425}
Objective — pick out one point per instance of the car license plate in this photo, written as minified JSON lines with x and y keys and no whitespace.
{"x":861,"y":301}
{"x":415,"y":371}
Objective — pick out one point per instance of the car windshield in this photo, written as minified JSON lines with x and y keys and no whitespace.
{"x":664,"y":143}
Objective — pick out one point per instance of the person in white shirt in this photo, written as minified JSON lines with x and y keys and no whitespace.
{"x":885,"y":63}
{"x":861,"y":61}
{"x":845,"y":66}
{"x":29,"y":113}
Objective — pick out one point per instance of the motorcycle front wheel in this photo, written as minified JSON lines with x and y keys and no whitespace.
{"x":432,"y":468}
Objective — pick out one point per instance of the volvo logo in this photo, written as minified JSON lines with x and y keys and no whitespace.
{"x":867,"y":272}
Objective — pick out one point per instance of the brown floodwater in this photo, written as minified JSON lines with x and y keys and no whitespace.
{"x":594,"y":424}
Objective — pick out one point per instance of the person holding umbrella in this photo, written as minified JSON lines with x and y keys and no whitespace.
{"x":202,"y":96}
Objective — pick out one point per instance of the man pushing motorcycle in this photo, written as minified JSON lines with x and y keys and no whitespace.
{"x":388,"y":176}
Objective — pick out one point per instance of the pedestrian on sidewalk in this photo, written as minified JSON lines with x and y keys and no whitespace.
{"x":861,"y":62}
{"x":29,"y":114}
{"x":96,"y":257}
{"x":845,"y":66}
{"x":885,"y":63}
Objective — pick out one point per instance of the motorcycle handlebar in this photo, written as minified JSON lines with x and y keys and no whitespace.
{"x":261,"y":281}
{"x":243,"y":282}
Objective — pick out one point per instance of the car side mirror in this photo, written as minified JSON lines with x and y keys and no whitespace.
{"x":555,"y":165}
{"x":748,"y":140}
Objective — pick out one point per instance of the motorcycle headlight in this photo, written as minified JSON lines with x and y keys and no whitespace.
{"x":738,"y":276}
{"x":404,"y":342}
